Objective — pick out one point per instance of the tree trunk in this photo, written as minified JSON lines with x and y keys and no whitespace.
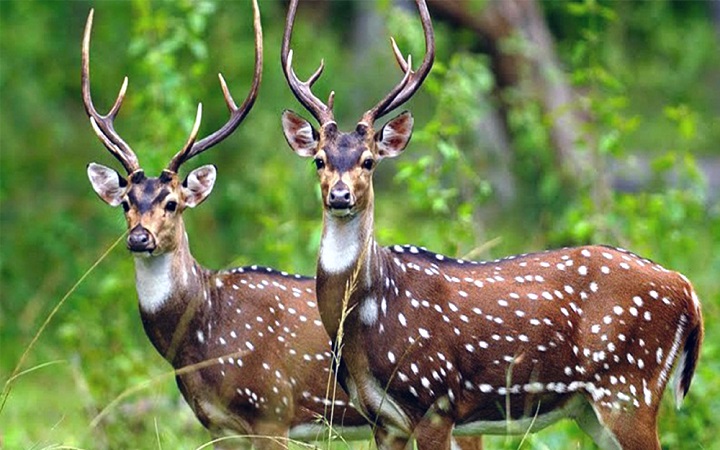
{"x":500,"y":20}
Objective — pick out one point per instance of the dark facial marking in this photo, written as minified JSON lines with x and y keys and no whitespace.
{"x":137,"y":177}
{"x":161,"y":196}
{"x":148,"y":193}
{"x":166,"y":176}
{"x":330,"y":131}
{"x":132,"y":197}
{"x":344,"y":155}
{"x":361,"y":129}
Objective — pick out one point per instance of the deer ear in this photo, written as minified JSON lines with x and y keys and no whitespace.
{"x":198,"y":185}
{"x":395,"y":135}
{"x":107,"y":183}
{"x":301,"y":136}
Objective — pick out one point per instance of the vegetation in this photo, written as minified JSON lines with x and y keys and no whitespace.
{"x":645,"y":76}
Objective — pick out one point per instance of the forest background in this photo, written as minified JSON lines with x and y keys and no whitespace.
{"x":543,"y":124}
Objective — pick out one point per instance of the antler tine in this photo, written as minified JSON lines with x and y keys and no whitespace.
{"x":398,"y":96}
{"x":229,"y":101}
{"x":382,"y":107}
{"x":191,"y":139}
{"x":103,"y":125}
{"x":398,"y":55}
{"x":302,"y":90}
{"x":237,"y":114}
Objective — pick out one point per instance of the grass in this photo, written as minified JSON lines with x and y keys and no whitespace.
{"x":7,"y":387}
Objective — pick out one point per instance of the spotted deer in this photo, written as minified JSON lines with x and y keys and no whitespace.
{"x":248,"y":346}
{"x":431,"y":343}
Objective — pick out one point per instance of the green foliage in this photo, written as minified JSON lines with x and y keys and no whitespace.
{"x":169,"y":43}
{"x":677,"y":194}
{"x":442,"y":184}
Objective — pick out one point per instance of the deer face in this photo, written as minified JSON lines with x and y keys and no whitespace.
{"x":153,"y":206}
{"x":345,"y":162}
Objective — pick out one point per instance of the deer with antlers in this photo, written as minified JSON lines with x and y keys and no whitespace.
{"x":432,"y":343}
{"x":248,"y":346}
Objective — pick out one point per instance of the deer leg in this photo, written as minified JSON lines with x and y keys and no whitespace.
{"x":589,"y":422}
{"x":468,"y":443}
{"x":227,"y":441}
{"x":635,"y":429}
{"x":388,"y":441}
{"x":434,"y":431}
{"x":632,"y":429}
{"x":270,"y":436}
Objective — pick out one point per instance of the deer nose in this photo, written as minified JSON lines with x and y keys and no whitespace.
{"x":340,"y":196}
{"x":140,"y":240}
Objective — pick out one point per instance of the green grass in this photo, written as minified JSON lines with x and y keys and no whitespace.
{"x":52,"y":407}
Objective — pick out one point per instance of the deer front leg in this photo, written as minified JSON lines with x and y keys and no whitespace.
{"x":630,"y":429}
{"x":384,"y":440}
{"x":434,"y":431}
{"x":270,"y":435}
{"x":469,"y":442}
{"x":225,"y":441}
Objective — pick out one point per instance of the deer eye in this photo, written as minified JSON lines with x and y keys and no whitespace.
{"x":125,"y":206}
{"x":368,"y":164}
{"x":319,"y":163}
{"x":171,"y":206}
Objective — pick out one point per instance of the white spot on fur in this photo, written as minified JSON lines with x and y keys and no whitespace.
{"x":369,"y":311}
{"x":673,"y":353}
{"x":402,"y":319}
{"x":696,"y":300}
{"x":647,"y":393}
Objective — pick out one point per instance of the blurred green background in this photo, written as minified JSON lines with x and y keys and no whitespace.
{"x":543,"y":124}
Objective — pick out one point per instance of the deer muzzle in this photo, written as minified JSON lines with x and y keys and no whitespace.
{"x":340,"y":200}
{"x":140,"y":240}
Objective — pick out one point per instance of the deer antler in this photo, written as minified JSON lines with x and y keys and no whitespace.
{"x":412,"y":80}
{"x":103,"y":125}
{"x":237,"y":114}
{"x":302,"y":90}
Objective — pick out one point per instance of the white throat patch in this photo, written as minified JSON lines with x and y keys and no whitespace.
{"x":153,"y":281}
{"x":340,"y":245}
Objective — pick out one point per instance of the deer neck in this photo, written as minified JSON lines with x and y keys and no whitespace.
{"x":347,"y":264}
{"x":162,"y":279}
{"x":172,"y":291}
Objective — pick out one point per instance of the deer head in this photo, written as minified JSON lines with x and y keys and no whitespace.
{"x":153,"y":206}
{"x":345,"y":161}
